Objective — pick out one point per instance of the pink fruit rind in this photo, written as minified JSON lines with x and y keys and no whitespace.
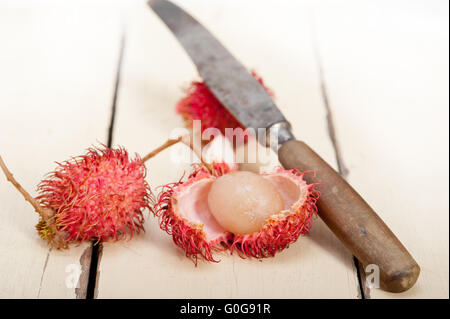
{"x":185,"y":234}
{"x":97,"y":196}
{"x":282,"y":229}
{"x":277,"y":234}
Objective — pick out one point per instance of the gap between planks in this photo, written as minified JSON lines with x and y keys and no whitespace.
{"x":90,"y":262}
{"x":341,"y":168}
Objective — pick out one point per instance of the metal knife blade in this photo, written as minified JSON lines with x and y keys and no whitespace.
{"x":226,"y":77}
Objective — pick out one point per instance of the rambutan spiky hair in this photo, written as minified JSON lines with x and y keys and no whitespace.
{"x":284,"y":228}
{"x":192,"y":237}
{"x":98,"y":196}
{"x":201,"y":104}
{"x":184,"y":214}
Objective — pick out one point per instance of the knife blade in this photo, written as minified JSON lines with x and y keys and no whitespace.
{"x":344,"y":211}
{"x":229,"y":81}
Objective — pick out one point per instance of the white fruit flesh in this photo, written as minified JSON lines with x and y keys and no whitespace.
{"x":242,"y":201}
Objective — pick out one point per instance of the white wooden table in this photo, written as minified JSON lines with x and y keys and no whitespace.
{"x":364,"y":83}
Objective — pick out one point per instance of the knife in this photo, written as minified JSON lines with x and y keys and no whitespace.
{"x":343,"y":210}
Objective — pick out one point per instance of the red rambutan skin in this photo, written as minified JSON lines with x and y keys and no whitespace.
{"x":201,"y":104}
{"x":277,"y":234}
{"x":282,"y":230}
{"x":98,"y":196}
{"x":185,"y":234}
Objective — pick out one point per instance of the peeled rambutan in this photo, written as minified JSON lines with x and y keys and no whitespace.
{"x":98,"y":196}
{"x":218,"y":208}
{"x":201,"y":104}
{"x":280,"y":228}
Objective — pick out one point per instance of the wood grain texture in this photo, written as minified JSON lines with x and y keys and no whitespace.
{"x":380,"y":69}
{"x":155,"y":70}
{"x":57,"y":67}
{"x":386,"y":71}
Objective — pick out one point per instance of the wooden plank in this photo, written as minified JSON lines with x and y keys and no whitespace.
{"x":386,"y":70}
{"x":57,"y":63}
{"x":276,"y":42}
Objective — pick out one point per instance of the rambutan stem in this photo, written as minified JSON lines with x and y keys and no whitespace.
{"x":197,"y":152}
{"x":26,"y":195}
{"x":45,"y":213}
{"x":171,"y":142}
{"x":161,"y":148}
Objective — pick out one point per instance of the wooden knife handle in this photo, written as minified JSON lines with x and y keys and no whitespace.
{"x":353,"y":221}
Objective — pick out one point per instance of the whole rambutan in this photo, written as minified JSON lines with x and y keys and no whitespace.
{"x":98,"y":196}
{"x":255,"y":215}
{"x":201,"y":104}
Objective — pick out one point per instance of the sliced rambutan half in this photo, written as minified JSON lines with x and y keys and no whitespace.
{"x":201,"y":104}
{"x":255,"y":215}
{"x":183,"y":212}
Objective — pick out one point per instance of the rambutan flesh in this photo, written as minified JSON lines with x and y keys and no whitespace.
{"x":98,"y":196}
{"x":201,"y":104}
{"x":283,"y":227}
{"x":254,"y":215}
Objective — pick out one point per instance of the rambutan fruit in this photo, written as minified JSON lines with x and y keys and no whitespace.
{"x":201,"y":104}
{"x":218,"y":208}
{"x":98,"y":196}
